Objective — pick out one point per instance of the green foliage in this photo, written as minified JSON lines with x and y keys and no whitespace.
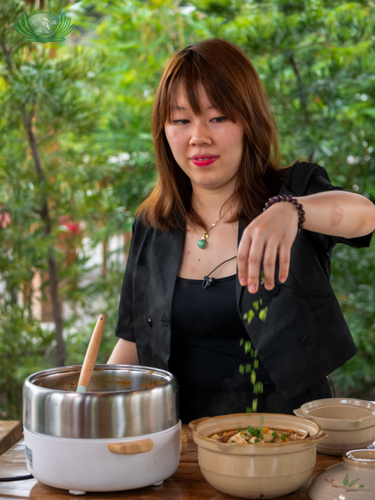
{"x":353,"y":277}
{"x":49,"y":92}
{"x":25,"y":348}
{"x":100,"y":296}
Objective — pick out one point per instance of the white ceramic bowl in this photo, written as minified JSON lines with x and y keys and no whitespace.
{"x":353,"y":479}
{"x":348,"y":423}
{"x":263,"y":470}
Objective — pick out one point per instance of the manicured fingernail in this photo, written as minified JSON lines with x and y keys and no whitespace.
{"x":252,"y":289}
{"x":243,"y":281}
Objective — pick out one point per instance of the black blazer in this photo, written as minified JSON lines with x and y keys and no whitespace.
{"x":305,"y":336}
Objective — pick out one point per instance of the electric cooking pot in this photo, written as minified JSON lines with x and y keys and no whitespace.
{"x":123,"y":433}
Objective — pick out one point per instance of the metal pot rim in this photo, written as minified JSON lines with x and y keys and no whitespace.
{"x":32,"y":379}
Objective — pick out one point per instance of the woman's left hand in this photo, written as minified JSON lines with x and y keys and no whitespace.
{"x":272,"y":232}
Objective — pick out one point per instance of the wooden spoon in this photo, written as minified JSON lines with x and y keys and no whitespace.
{"x":91,"y":355}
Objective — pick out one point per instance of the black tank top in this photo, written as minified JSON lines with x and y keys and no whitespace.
{"x":205,"y":349}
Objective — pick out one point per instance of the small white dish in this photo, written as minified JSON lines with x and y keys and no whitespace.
{"x":352,"y":479}
{"x":348,"y":423}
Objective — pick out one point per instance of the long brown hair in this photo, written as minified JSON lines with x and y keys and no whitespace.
{"x":233,"y":86}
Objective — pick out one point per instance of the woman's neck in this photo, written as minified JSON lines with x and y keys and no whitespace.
{"x":208,"y":204}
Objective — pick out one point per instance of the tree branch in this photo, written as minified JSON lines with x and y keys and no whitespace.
{"x":302,"y":89}
{"x":303,"y":95}
{"x":44,"y":137}
{"x":7,"y":54}
{"x":45,"y":216}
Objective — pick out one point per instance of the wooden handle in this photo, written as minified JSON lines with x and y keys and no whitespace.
{"x":132,"y":448}
{"x":92,"y":353}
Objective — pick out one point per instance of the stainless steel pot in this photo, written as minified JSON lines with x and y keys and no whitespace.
{"x":121,"y":401}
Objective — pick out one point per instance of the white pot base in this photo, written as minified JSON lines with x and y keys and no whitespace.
{"x":86,"y":465}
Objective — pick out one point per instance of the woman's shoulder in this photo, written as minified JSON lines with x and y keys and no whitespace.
{"x":304,"y":170}
{"x":301,"y":175}
{"x":142,"y":234}
{"x":143,"y":228}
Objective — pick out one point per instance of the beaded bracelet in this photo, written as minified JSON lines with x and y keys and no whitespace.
{"x":288,"y":197}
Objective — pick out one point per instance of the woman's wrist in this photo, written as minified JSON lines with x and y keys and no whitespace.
{"x":290,"y":199}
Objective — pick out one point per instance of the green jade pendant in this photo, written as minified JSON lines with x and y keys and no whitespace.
{"x":202,"y":243}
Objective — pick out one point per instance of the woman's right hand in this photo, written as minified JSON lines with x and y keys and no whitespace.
{"x":124,"y":353}
{"x":270,"y":234}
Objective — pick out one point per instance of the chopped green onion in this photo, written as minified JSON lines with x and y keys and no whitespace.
{"x":263,"y":314}
{"x":247,"y":346}
{"x":250,"y":316}
{"x":253,"y":377}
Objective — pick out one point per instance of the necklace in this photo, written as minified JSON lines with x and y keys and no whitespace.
{"x":207,"y":281}
{"x":202,"y":243}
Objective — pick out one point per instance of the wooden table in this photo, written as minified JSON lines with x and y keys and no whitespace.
{"x":10,"y":433}
{"x":187,"y":482}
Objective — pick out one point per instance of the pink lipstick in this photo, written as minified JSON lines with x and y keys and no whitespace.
{"x":204,"y":160}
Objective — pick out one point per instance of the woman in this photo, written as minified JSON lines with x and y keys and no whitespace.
{"x":201,"y":241}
